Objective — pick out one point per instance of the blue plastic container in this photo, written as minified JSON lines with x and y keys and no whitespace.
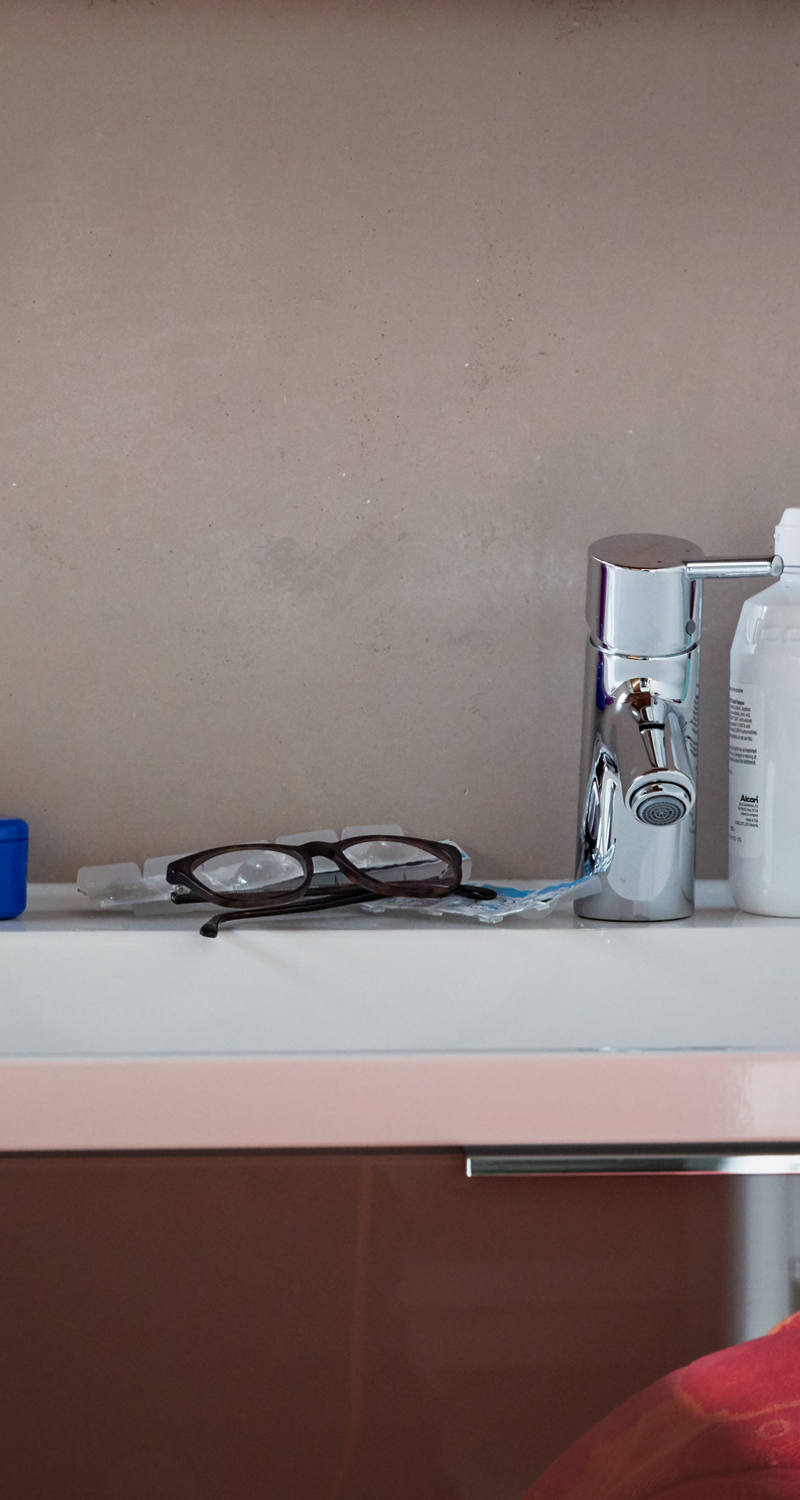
{"x":13,"y":867}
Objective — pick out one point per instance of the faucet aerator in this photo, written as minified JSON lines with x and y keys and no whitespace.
{"x":658,"y":808}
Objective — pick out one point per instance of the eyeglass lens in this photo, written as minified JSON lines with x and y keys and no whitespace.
{"x":250,"y":870}
{"x":393,"y":860}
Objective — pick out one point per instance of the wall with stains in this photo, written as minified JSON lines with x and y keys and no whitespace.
{"x":332,"y":334}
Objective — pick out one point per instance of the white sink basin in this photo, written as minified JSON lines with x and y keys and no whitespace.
{"x":354,"y":1029}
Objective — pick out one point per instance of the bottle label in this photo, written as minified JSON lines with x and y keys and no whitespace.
{"x":746,"y":753}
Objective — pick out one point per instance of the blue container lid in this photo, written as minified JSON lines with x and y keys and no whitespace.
{"x":12,"y":830}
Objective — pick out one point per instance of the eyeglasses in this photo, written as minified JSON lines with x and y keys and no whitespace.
{"x":266,"y":880}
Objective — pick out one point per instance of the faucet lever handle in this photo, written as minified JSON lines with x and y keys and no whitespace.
{"x":736,"y":567}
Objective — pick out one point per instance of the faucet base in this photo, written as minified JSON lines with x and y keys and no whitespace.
{"x":608,"y":906}
{"x":594,"y":916}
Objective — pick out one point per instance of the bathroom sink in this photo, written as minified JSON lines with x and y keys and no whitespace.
{"x":360,"y":1029}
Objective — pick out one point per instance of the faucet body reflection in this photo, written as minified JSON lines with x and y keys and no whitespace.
{"x":638,"y":790}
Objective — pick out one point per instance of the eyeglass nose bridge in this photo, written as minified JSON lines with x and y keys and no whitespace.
{"x":319,"y":849}
{"x":316,"y":849}
{"x":338,"y":854}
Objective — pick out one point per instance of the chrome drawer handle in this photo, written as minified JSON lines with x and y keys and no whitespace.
{"x":773,"y":1160}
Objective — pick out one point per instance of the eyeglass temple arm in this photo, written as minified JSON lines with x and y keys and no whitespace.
{"x":340,"y":898}
{"x":343,"y":898}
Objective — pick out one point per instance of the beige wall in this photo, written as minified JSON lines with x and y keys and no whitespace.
{"x":332,"y":334}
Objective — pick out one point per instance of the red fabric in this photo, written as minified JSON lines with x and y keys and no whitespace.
{"x":724,"y":1428}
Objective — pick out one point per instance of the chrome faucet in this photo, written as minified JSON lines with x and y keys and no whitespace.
{"x":638,"y":793}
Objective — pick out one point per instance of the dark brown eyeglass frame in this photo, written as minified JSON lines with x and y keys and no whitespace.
{"x":302,"y":899}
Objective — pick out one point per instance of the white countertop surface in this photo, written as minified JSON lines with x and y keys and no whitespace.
{"x":352,"y":1029}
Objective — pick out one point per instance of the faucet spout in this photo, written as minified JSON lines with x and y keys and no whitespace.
{"x":651,"y":753}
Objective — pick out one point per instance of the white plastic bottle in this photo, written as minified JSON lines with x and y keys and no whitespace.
{"x":764,"y":757}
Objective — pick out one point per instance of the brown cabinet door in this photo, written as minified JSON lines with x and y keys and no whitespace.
{"x":332,"y":1326}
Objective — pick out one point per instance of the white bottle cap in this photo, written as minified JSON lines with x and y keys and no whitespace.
{"x":787,"y":538}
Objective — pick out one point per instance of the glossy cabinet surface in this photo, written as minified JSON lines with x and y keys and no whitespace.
{"x":333,"y":1326}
